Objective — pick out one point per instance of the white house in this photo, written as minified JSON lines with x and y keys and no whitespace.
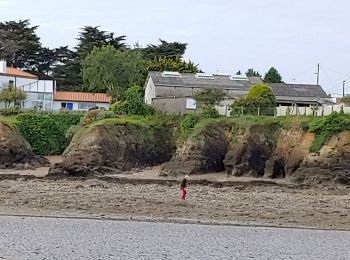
{"x":39,"y":93}
{"x":80,"y":101}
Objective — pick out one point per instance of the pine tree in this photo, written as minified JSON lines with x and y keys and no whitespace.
{"x":273,"y":76}
{"x":252,"y":73}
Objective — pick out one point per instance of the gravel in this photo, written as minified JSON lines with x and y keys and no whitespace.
{"x":51,"y":238}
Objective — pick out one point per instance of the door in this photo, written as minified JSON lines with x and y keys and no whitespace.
{"x":69,"y":106}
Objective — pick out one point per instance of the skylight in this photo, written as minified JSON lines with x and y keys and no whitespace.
{"x":173,"y":74}
{"x":204,"y":76}
{"x":239,"y":77}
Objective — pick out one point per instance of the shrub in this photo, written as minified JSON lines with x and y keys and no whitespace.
{"x":46,"y":133}
{"x":188,"y":123}
{"x":132,"y":104}
{"x":260,"y":99}
{"x":106,"y":114}
{"x":13,"y":111}
{"x":42,"y":133}
{"x":325,"y":127}
{"x":71,"y":132}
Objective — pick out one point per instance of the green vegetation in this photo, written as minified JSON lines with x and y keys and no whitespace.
{"x":46,"y":133}
{"x":259,"y":101}
{"x":170,"y":64}
{"x":273,"y":76}
{"x":132,"y":104}
{"x":11,"y":95}
{"x":325,"y":127}
{"x":207,"y":99}
{"x":109,"y":70}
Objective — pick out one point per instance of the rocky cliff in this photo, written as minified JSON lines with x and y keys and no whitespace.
{"x":263,"y":150}
{"x":15,"y":152}
{"x":111,"y":145}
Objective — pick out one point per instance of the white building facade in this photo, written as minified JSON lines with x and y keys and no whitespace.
{"x":39,"y":93}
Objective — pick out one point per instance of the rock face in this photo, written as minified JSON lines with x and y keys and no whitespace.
{"x":203,"y":152}
{"x":15,"y":152}
{"x":330,"y":164}
{"x":291,"y":149}
{"x":111,"y":148}
{"x":250,"y":151}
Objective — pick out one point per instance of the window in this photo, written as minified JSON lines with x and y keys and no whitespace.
{"x":86,"y":106}
{"x":11,"y":83}
{"x":48,"y":96}
{"x":63,"y":105}
{"x":40,"y":96}
{"x":173,"y":74}
{"x":47,"y":106}
{"x":204,"y":76}
{"x":191,"y":104}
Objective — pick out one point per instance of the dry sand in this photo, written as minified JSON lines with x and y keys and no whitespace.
{"x":321,"y":207}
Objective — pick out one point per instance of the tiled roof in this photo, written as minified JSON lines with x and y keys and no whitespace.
{"x":19,"y":73}
{"x":82,"y":97}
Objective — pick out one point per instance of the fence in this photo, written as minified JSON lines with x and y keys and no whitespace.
{"x":283,"y":110}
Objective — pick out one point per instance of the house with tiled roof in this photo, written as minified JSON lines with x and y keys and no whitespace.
{"x":39,"y":93}
{"x":42,"y":94}
{"x":80,"y":101}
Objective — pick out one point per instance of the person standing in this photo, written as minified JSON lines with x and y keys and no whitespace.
{"x":183,"y":188}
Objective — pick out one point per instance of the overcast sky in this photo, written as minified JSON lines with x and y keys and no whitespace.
{"x":223,"y":35}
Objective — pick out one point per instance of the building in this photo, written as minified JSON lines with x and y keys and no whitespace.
{"x":172,"y":92}
{"x":39,"y":93}
{"x":80,"y":101}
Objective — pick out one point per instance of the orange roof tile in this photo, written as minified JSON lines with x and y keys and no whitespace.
{"x":82,"y":96}
{"x":18,"y":73}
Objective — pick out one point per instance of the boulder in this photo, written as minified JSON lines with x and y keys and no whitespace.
{"x":109,"y":147}
{"x":15,"y":152}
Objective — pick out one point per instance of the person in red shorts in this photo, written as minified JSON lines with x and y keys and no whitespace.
{"x":183,"y":187}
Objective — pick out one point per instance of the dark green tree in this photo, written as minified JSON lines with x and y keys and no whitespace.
{"x":19,"y":44}
{"x":164,"y":49}
{"x":69,"y":73}
{"x":252,"y":73}
{"x":273,"y":76}
{"x":238,"y":73}
{"x":169,"y":64}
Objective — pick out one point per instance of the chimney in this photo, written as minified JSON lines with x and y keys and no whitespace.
{"x":3,"y":66}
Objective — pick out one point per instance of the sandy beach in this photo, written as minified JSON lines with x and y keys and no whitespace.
{"x":319,"y":207}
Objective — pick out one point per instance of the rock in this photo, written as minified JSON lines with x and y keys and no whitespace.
{"x":202,"y":153}
{"x":27,"y":166}
{"x":110,"y":147}
{"x":15,"y":152}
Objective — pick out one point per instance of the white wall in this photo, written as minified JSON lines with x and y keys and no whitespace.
{"x":57,"y":105}
{"x":150,"y":91}
{"x":308,"y":111}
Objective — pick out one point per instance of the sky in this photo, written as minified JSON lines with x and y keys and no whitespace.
{"x":223,"y":36}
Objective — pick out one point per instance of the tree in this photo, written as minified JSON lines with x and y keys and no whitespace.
{"x":9,"y":94}
{"x":252,"y":73}
{"x":165,"y":49}
{"x":132,"y":103}
{"x":238,"y":73}
{"x":207,"y":99}
{"x":273,"y":76}
{"x":107,"y":69}
{"x":259,"y":100}
{"x":19,"y":44}
{"x":69,"y":73}
{"x":168,"y":64}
